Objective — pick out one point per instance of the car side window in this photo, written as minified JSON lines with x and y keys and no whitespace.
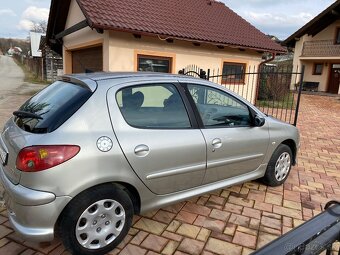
{"x":153,"y":106}
{"x":219,"y":109}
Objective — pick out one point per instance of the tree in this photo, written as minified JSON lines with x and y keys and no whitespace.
{"x":40,"y":27}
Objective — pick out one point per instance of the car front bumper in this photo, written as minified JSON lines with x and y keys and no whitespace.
{"x":32,"y":213}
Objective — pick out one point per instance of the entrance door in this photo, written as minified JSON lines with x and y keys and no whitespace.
{"x":334,"y":81}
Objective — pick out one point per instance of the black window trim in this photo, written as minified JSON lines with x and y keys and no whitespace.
{"x":201,"y":125}
{"x":187,"y":105}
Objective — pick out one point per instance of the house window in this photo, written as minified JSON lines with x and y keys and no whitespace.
{"x":233,"y":72}
{"x":337,"y":36}
{"x":154,"y":64}
{"x":317,"y":70}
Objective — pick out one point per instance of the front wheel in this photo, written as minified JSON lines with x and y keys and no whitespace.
{"x":96,"y":221}
{"x":279,"y":166}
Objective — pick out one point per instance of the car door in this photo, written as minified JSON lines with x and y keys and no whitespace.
{"x":234,"y":146}
{"x":158,"y":134}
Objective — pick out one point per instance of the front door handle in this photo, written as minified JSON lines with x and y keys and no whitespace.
{"x":216,"y":143}
{"x":142,"y":150}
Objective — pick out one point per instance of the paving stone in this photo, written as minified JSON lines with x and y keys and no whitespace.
{"x":133,"y":250}
{"x":233,"y":208}
{"x":209,"y":223}
{"x":188,"y":230}
{"x":12,"y":248}
{"x":264,"y":238}
{"x":155,"y":243}
{"x":186,"y":217}
{"x":191,"y":246}
{"x":244,"y":239}
{"x":164,"y":216}
{"x":292,"y":204}
{"x":253,"y":213}
{"x":170,"y":248}
{"x":241,"y":201}
{"x":230,"y":229}
{"x":247,"y":230}
{"x":271,"y":222}
{"x":273,"y":199}
{"x":220,"y":247}
{"x":151,"y":226}
{"x":287,"y":212}
{"x":139,"y":238}
{"x":247,"y":251}
{"x":239,"y":220}
{"x":4,"y":231}
{"x":125,"y":241}
{"x":263,"y":206}
{"x":197,"y":209}
{"x":219,"y":215}
{"x":172,"y":236}
{"x":173,"y":226}
{"x":203,"y":234}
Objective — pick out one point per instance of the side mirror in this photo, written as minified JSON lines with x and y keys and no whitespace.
{"x":259,"y":121}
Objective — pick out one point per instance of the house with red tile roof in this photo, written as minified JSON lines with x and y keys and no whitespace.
{"x":153,"y":35}
{"x":317,"y":47}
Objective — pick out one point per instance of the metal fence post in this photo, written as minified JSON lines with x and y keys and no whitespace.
{"x":299,"y":96}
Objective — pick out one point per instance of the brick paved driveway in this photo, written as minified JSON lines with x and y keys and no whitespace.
{"x":235,"y":220}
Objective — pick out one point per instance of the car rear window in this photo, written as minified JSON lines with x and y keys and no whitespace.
{"x":55,"y":104}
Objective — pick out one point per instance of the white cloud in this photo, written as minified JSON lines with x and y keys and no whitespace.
{"x":7,"y":12}
{"x":279,"y":19}
{"x":35,"y":14}
{"x":25,"y":24}
{"x":31,"y":16}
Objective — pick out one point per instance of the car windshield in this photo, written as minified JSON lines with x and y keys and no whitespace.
{"x":50,"y":108}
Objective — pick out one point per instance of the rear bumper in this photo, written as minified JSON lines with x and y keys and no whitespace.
{"x":32,"y":213}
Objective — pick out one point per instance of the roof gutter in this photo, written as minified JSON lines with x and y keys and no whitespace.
{"x":258,"y":76}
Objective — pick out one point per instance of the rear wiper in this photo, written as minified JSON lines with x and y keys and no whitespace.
{"x":24,"y":114}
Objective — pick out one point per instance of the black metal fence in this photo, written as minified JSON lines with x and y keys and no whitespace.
{"x":274,"y":89}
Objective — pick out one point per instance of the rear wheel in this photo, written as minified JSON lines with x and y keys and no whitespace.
{"x":96,"y":221}
{"x":279,"y":166}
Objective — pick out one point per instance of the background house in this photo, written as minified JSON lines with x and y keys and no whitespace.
{"x":160,"y":36}
{"x":317,"y":47}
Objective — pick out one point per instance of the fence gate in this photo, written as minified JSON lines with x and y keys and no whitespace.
{"x":274,"y":89}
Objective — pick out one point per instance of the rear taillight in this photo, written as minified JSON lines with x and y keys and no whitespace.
{"x":38,"y":158}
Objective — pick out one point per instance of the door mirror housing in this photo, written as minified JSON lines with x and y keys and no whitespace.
{"x":259,"y":121}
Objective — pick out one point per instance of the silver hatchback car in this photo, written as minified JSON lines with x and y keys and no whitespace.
{"x":85,"y":154}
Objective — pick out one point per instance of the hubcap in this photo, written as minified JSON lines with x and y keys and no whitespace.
{"x":282,"y":166}
{"x":100,"y":224}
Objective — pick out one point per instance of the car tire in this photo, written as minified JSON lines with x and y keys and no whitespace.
{"x":96,"y":220}
{"x":279,"y":166}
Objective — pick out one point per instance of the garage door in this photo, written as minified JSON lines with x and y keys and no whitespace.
{"x":87,"y":60}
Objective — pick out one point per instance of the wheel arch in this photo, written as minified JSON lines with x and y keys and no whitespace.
{"x":128,"y":188}
{"x":292,"y":145}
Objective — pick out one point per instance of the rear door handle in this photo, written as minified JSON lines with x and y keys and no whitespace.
{"x":216,"y":143}
{"x":142,"y":150}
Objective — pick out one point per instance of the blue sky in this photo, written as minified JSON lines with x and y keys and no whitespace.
{"x":276,"y":17}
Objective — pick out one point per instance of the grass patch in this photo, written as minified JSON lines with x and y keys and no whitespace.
{"x":287,"y":102}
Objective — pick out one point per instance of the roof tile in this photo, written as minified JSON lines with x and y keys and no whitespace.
{"x":196,"y":20}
